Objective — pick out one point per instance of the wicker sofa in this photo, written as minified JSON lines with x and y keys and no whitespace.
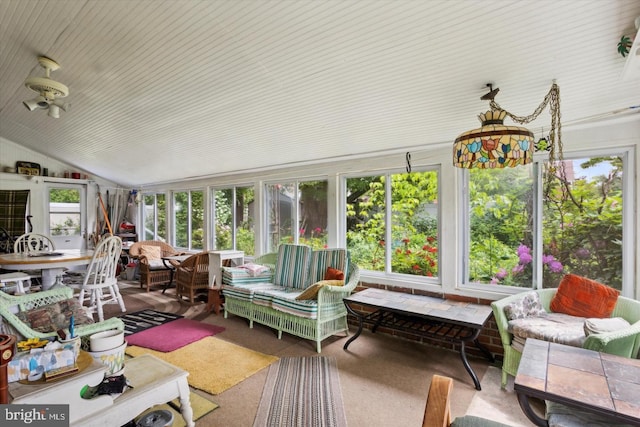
{"x":270,"y":297}
{"x":624,"y":342}
{"x":14,"y":324}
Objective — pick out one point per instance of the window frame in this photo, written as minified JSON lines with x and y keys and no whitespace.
{"x":387,"y":276}
{"x":626,"y":153}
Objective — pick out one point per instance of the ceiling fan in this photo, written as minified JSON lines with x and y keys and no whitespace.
{"x":48,"y":90}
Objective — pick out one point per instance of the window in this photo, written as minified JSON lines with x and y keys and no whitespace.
{"x":233,"y":219}
{"x":67,"y":215}
{"x":577,"y":220}
{"x":154,"y":217}
{"x":296,"y":213}
{"x":188,"y":214}
{"x":393,"y":222}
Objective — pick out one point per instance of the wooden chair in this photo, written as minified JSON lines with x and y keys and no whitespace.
{"x":437,"y":411}
{"x":99,"y":282}
{"x":33,"y":242}
{"x":192,"y":275}
{"x":153,"y":271}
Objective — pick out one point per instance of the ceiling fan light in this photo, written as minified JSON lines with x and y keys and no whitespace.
{"x":35,"y":103}
{"x":54,"y":111}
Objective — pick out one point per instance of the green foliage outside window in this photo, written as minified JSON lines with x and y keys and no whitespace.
{"x":581,"y":224}
{"x":414,"y":224}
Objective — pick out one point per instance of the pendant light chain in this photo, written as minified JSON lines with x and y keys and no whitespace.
{"x":556,"y":156}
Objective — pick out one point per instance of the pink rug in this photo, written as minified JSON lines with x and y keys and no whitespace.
{"x":173,"y":335}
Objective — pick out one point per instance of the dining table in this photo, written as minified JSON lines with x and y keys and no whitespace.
{"x":51,"y":263}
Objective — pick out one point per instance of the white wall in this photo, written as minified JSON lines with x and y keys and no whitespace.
{"x":10,"y":153}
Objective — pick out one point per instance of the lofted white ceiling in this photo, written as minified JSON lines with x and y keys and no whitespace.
{"x":166,"y":90}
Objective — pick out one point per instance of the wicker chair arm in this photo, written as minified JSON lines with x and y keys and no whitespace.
{"x":624,"y":342}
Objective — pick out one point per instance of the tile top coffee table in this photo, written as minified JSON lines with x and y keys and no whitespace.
{"x":437,"y":318}
{"x":601,"y":383}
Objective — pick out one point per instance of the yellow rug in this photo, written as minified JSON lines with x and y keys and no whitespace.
{"x":199,"y":405}
{"x":214,"y":365}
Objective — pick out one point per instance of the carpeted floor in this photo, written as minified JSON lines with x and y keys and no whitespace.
{"x":384,"y":380}
{"x":214,"y":365}
{"x":301,"y":392}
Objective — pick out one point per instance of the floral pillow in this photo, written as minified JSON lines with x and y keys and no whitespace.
{"x":528,"y":306}
{"x":51,"y":317}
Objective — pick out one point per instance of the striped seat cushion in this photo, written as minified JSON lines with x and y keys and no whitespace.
{"x":245,"y":291}
{"x":237,"y":275}
{"x":321,"y":259}
{"x":265,"y":297}
{"x":292,"y":266}
{"x":284,"y":300}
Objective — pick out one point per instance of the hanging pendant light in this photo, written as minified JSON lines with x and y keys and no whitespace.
{"x":493,"y":145}
{"x":496,"y":145}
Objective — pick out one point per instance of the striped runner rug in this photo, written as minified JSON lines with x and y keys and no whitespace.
{"x":302,"y":392}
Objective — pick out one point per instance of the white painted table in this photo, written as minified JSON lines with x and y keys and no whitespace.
{"x":51,"y":265}
{"x":215,"y":265}
{"x":154,"y":382}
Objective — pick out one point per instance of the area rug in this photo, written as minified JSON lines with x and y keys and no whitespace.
{"x":145,"y":319}
{"x":199,"y":405}
{"x":302,"y":391}
{"x":173,"y":335}
{"x":214,"y":365}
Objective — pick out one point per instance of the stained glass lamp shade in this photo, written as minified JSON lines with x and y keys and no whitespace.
{"x":494,"y":145}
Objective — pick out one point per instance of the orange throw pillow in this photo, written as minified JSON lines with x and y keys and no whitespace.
{"x":333,"y":274}
{"x":579,"y":296}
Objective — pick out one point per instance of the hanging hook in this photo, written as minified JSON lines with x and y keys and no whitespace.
{"x":408,"y":157}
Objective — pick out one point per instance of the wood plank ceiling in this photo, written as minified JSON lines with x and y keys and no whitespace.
{"x":166,"y":90}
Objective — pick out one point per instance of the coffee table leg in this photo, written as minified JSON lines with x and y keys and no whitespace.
{"x":185,"y":403}
{"x":357,"y":334}
{"x":523,"y":400}
{"x":467,"y":366}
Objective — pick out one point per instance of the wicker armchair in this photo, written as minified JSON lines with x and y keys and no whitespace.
{"x":10,"y":305}
{"x":192,"y":275}
{"x":154,"y":272}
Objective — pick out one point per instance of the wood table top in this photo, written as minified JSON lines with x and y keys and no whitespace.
{"x":58,"y":256}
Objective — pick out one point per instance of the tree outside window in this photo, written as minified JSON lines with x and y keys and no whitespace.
{"x":233,"y":219}
{"x":581,"y":224}
{"x":154,"y":217}
{"x":188,"y":207}
{"x":408,"y":229}
{"x":297,"y":213}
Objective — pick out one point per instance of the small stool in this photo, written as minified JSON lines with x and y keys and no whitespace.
{"x":159,"y":418}
{"x":15,"y":280}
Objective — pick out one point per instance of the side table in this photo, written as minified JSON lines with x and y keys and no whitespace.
{"x":216,"y":258}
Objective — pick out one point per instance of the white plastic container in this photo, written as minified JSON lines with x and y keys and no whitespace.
{"x":106,"y":340}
